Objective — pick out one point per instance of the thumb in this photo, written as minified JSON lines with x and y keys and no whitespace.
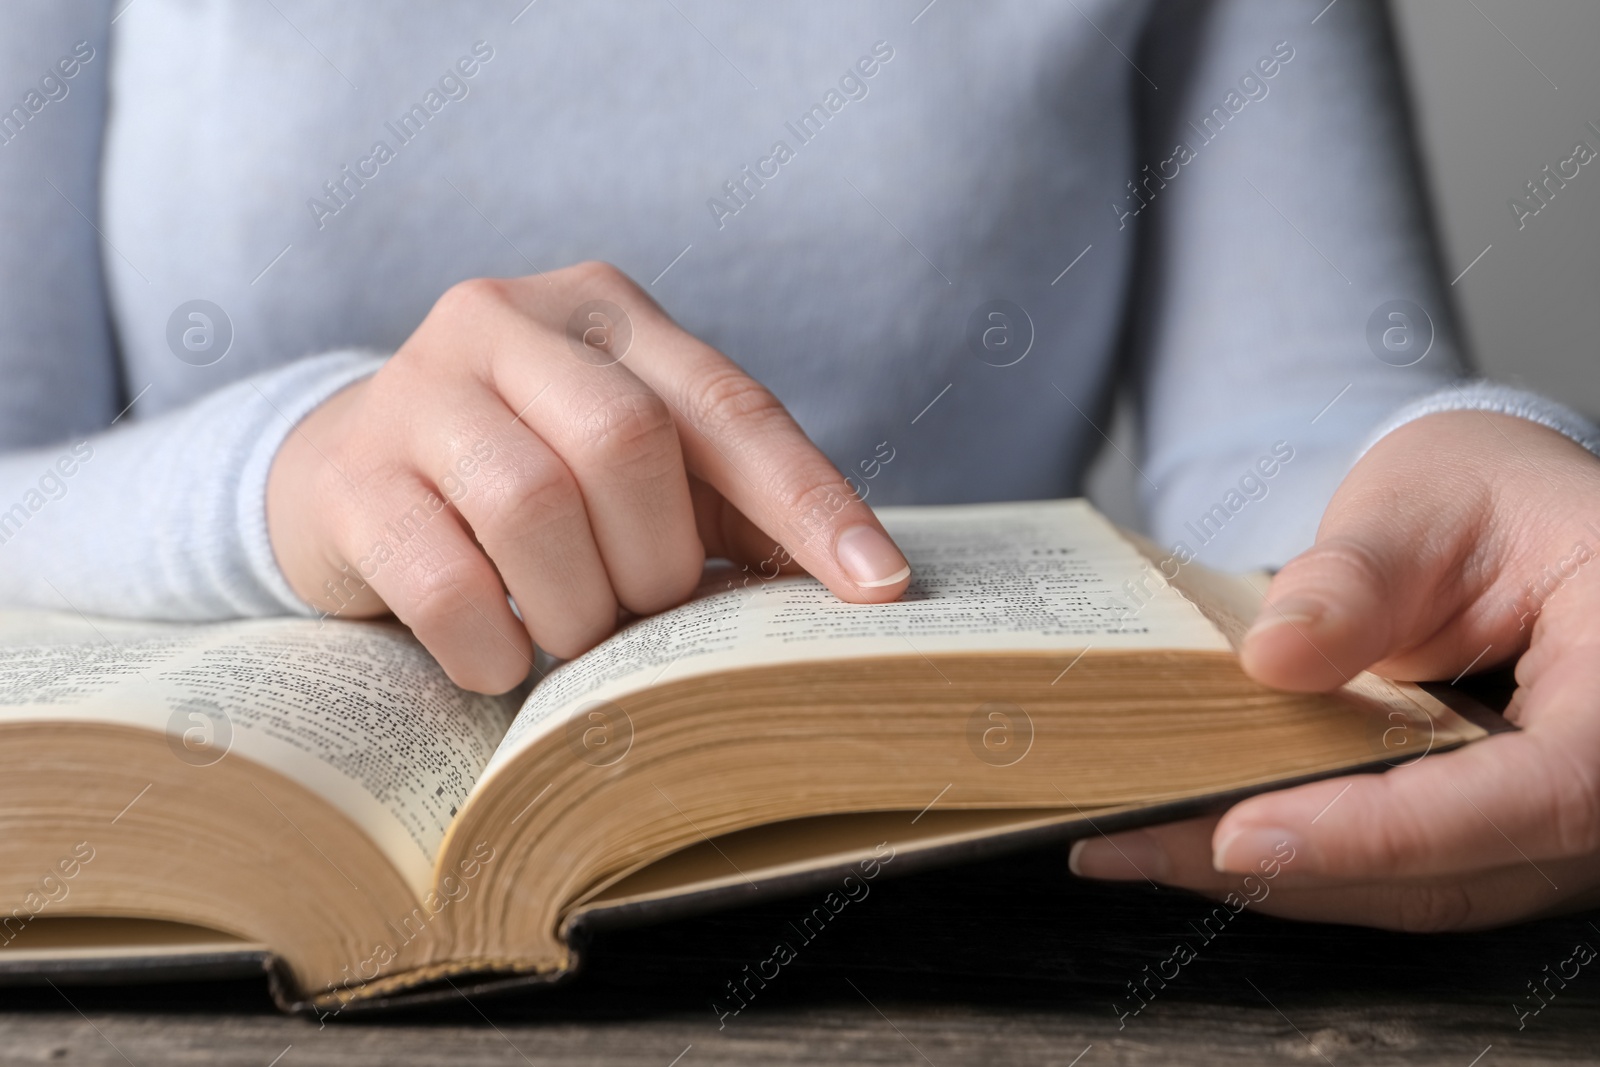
{"x":1335,"y":610}
{"x":1383,"y":578}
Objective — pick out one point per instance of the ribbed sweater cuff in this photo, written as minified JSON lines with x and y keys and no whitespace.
{"x":1503,"y":399}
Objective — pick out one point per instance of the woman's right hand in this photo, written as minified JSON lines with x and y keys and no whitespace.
{"x":560,"y":438}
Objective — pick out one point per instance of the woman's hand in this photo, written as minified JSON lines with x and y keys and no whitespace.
{"x":1460,"y":541}
{"x":561,"y":439}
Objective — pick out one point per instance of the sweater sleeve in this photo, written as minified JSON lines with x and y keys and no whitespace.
{"x":1502,"y":399}
{"x":1288,"y":300}
{"x":163,"y":519}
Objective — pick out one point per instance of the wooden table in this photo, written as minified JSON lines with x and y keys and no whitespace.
{"x":1011,"y":961}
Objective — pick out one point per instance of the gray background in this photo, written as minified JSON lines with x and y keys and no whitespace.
{"x":1499,"y":89}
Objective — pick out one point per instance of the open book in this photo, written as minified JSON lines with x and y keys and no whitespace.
{"x":318,"y":795}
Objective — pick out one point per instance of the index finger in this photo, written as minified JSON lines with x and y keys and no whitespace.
{"x":739,"y":438}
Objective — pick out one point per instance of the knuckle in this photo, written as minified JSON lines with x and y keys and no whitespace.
{"x":1342,"y":559}
{"x":816,"y":496}
{"x":473,"y":298}
{"x":727,"y":398}
{"x":600,"y":274}
{"x":523,"y":501}
{"x":1432,"y":909}
{"x":629,"y":428}
{"x":1385,"y":851}
{"x":441,"y":593}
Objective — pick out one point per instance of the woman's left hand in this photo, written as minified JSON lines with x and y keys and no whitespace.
{"x":1461,"y":541}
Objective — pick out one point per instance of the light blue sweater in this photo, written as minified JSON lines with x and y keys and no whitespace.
{"x":941,"y":231}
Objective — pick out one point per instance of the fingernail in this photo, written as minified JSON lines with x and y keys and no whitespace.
{"x":1245,"y":851}
{"x":870,"y":558}
{"x":1130,"y":857}
{"x":1295,"y":611}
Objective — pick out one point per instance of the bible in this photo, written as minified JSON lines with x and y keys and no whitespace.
{"x":315,"y":798}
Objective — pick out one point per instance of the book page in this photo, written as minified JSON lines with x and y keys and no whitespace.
{"x":1050,"y":576}
{"x":359,"y":713}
